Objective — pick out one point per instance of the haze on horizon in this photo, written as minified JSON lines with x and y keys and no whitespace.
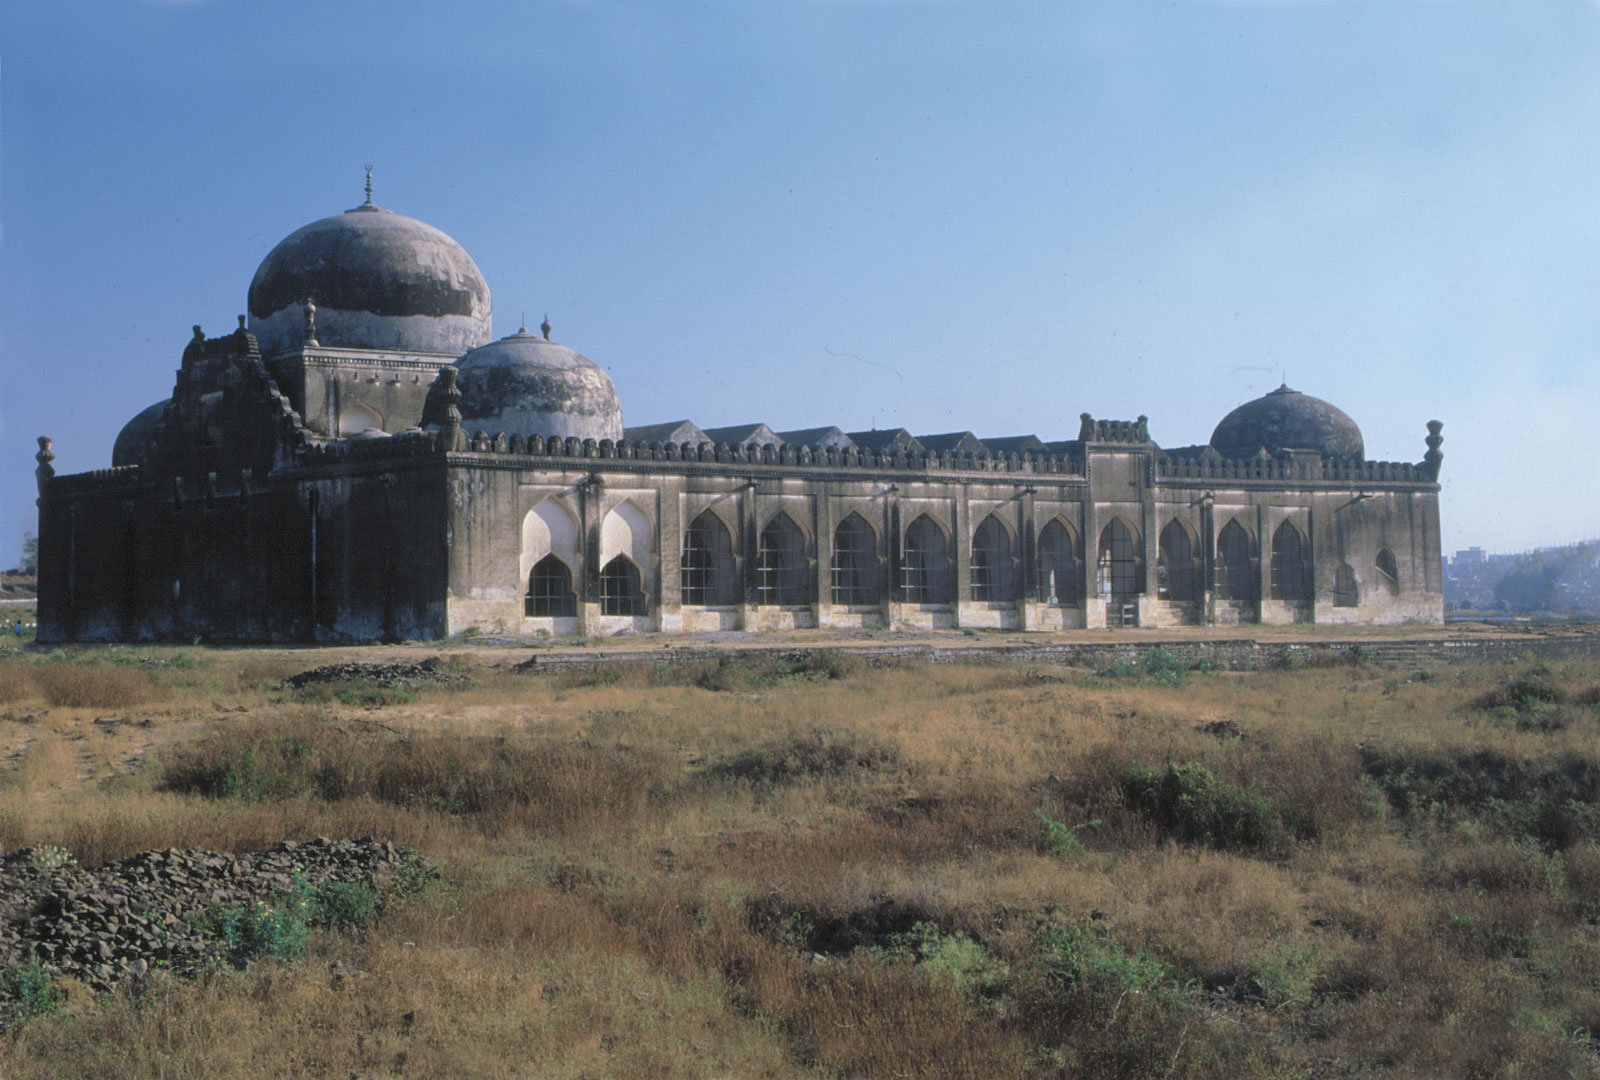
{"x":937,"y":215}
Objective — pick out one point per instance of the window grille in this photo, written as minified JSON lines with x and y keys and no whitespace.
{"x":925,"y":569}
{"x":1291,"y":576}
{"x":1058,"y":565}
{"x":1235,"y":569}
{"x":993,"y":574}
{"x":1177,"y":575}
{"x":1120,"y":573}
{"x":781,"y":564}
{"x":550,"y":589}
{"x":619,"y":588}
{"x":707,"y":569}
{"x":855,"y":562}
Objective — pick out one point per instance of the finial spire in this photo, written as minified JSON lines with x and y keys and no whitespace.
{"x":545,"y":326}
{"x":369,"y":186}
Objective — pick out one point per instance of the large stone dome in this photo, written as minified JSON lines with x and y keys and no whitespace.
{"x":133,"y":441}
{"x":528,"y":385}
{"x":1286,"y":419}
{"x":379,"y":280}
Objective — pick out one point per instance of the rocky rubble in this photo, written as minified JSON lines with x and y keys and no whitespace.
{"x":112,"y":924}
{"x":404,"y":675}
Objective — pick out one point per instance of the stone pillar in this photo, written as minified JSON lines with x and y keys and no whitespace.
{"x":1208,"y":561}
{"x":749,"y":543}
{"x":961,"y":552}
{"x":1263,"y":562}
{"x":669,"y":544}
{"x":1094,"y":609}
{"x":1028,"y":568}
{"x":822,"y":510}
{"x":591,"y":493}
{"x":890,"y":563}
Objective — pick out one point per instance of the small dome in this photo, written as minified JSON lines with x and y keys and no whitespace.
{"x":379,"y":280}
{"x":1288,"y":420}
{"x":134,"y":439}
{"x":528,"y":385}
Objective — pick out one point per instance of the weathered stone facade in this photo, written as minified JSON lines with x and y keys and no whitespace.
{"x":331,"y":491}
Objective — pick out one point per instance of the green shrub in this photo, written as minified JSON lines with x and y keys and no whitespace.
{"x":813,"y":754}
{"x":344,"y":905}
{"x":1072,"y":954}
{"x":962,"y":961}
{"x":1554,"y":802}
{"x":31,"y":988}
{"x":1165,"y":668}
{"x":1288,"y":974}
{"x":1061,"y":839}
{"x":254,"y":931}
{"x":1187,"y":803}
{"x":264,"y":770}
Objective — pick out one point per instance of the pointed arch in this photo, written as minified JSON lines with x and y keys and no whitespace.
{"x":707,"y":574}
{"x":1059,"y":573}
{"x":358,"y":417}
{"x":1346,"y":592}
{"x":925,"y":568}
{"x":1178,"y":563}
{"x":1236,"y":563}
{"x":626,"y":530}
{"x":782,"y":567}
{"x":550,"y":528}
{"x":550,"y":590}
{"x":1291,"y":566}
{"x":1121,"y":568}
{"x":1388,"y":570}
{"x":855,"y":562}
{"x":621,"y":592}
{"x":993,"y":573}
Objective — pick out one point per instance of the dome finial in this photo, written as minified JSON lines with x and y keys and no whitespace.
{"x":369,"y":187}
{"x":545,"y":326}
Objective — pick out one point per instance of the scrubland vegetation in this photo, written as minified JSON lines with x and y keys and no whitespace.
{"x":826,"y":869}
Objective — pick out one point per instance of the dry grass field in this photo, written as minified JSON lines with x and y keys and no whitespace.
{"x":833,"y":870}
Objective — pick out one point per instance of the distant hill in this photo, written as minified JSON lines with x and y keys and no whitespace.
{"x":15,"y":585}
{"x":1556,"y":579}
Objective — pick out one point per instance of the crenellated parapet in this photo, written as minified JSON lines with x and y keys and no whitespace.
{"x":781,"y":456}
{"x":1113,"y":431}
{"x":1290,"y":468}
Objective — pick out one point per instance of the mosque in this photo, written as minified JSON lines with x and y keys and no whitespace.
{"x":361,"y":460}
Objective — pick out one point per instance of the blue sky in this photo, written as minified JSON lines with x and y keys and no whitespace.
{"x":937,"y":215}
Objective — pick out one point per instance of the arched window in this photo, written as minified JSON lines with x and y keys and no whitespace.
{"x":1291,"y":571}
{"x":1177,"y":565}
{"x":1346,"y":593}
{"x":926,"y":566}
{"x":781,"y":566}
{"x":1121,"y":573}
{"x":620,"y":593}
{"x":1389,"y":570}
{"x":1058,"y":565}
{"x":993,"y":570}
{"x":550,"y":589}
{"x":1236,"y":571}
{"x":707,"y":570}
{"x":855,"y":562}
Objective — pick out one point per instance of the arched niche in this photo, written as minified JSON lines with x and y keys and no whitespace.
{"x":550,"y":528}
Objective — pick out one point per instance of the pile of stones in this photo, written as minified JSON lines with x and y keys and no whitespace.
{"x":390,"y":675}
{"x":115,"y":923}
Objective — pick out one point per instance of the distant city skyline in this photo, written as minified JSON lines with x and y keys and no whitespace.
{"x":942,"y":216}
